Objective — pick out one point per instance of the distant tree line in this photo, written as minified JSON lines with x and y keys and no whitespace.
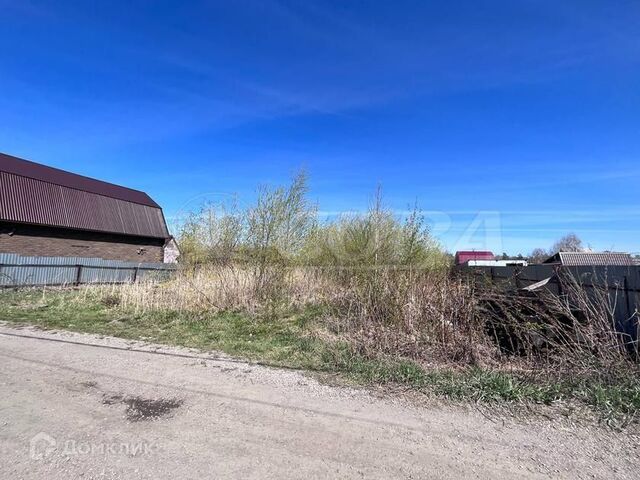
{"x":568,"y":243}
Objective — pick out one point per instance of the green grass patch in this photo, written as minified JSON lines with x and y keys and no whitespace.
{"x":293,"y":340}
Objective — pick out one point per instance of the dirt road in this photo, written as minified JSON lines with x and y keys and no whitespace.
{"x":81,"y":406}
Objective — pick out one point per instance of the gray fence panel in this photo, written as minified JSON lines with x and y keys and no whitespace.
{"x":622,"y":284}
{"x":16,"y":270}
{"x":95,"y":274}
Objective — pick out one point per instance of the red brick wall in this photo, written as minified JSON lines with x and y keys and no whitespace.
{"x":54,"y":242}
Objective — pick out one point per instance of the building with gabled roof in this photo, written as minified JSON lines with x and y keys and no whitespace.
{"x":463,"y":257}
{"x":591,"y":259}
{"x":45,"y":211}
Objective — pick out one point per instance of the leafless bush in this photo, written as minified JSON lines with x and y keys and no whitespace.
{"x":573,"y":330}
{"x":416,"y":313}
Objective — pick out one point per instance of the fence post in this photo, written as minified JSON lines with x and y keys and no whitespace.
{"x":78,"y":274}
{"x":135,"y":275}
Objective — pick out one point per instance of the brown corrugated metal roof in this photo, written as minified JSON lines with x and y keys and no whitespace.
{"x":37,"y":194}
{"x":37,"y":171}
{"x":588,"y":259}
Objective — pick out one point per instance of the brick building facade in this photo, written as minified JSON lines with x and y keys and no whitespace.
{"x":31,"y":240}
{"x":50,"y":212}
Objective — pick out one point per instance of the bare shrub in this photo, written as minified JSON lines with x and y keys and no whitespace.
{"x":262,"y":240}
{"x":212,"y":234}
{"x":571,"y":331}
{"x":278,"y":226}
{"x":376,"y":238}
{"x":416,"y":313}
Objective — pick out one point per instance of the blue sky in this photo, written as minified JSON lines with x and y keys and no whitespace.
{"x":511,"y":122}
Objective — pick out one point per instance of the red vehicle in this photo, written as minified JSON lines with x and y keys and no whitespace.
{"x":464,"y":256}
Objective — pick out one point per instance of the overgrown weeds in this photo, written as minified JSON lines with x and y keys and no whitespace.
{"x":573,"y":329}
{"x":369,"y":297}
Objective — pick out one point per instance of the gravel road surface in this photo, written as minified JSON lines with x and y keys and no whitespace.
{"x":84,"y":406}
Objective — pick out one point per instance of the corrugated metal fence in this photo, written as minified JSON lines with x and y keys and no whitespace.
{"x":16,"y":270}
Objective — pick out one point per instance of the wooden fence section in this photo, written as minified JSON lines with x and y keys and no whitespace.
{"x":19,"y":271}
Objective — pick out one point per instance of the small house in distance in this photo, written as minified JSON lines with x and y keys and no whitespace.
{"x":591,"y":259}
{"x":464,"y":256}
{"x":45,"y":211}
{"x":473,"y":258}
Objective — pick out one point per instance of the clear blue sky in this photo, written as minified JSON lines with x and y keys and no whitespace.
{"x":524,"y":112}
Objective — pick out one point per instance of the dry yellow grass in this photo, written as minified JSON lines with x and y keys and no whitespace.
{"x":424,"y":315}
{"x":217,"y":288}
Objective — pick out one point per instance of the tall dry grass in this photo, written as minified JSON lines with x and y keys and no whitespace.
{"x":426,"y":315}
{"x":421,"y":314}
{"x":218,"y":288}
